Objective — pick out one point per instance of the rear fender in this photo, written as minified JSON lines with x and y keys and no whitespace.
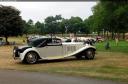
{"x":84,"y":50}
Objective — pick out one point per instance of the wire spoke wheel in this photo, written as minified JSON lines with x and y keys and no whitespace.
{"x":31,"y":57}
{"x":90,"y":53}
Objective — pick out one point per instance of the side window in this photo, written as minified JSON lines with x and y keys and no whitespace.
{"x":49,"y":41}
{"x":54,"y":42}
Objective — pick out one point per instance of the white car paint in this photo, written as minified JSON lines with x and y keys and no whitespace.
{"x":56,"y":52}
{"x":49,"y":48}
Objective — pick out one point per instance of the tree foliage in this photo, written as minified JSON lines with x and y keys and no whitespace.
{"x":11,"y":23}
{"x":57,"y":25}
{"x":110,"y":16}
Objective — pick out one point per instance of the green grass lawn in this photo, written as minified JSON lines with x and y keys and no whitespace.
{"x":121,"y":47}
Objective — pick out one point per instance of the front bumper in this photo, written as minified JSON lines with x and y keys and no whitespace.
{"x":16,"y":53}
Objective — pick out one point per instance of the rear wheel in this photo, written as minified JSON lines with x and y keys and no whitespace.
{"x":90,"y":54}
{"x":31,"y":58}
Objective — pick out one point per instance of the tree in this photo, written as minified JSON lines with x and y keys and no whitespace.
{"x":39,"y":27}
{"x":74,"y":26}
{"x":83,"y":28}
{"x":58,"y":18}
{"x":110,"y":16}
{"x":64,"y":26}
{"x":11,"y":23}
{"x":89,"y":24}
{"x":26,"y":28}
{"x":121,"y":18}
{"x":31,"y":27}
{"x":52,"y":24}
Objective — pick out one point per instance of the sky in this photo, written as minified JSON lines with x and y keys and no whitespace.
{"x":38,"y":11}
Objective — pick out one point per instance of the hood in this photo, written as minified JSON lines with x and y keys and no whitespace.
{"x":24,"y":46}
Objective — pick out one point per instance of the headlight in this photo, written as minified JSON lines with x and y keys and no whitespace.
{"x":15,"y":47}
{"x":14,"y":51}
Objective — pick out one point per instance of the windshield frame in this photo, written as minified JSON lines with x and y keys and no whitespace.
{"x":37,"y":42}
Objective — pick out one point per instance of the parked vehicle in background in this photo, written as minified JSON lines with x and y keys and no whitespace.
{"x":86,"y":40}
{"x":2,"y":42}
{"x":99,"y":39}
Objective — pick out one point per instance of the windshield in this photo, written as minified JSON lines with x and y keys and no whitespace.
{"x":36,"y":43}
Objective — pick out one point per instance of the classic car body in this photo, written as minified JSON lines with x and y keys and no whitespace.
{"x":52,"y":48}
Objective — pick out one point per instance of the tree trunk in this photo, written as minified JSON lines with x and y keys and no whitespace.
{"x":62,"y":34}
{"x":98,"y":33}
{"x":123,"y":36}
{"x":118,"y":35}
{"x":107,"y":34}
{"x":6,"y":39}
{"x":104,"y":34}
{"x":112,"y":36}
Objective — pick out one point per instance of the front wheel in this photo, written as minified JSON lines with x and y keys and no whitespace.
{"x":90,"y":54}
{"x":30,"y":58}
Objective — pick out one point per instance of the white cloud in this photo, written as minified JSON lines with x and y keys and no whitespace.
{"x":38,"y":11}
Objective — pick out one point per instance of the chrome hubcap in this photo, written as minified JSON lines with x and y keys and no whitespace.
{"x":31,"y":58}
{"x":90,"y":54}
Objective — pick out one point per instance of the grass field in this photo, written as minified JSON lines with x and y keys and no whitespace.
{"x":121,"y":47}
{"x":18,"y":40}
{"x":106,"y":65}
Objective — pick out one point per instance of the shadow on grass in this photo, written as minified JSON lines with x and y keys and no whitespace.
{"x":71,"y":59}
{"x":58,"y":60}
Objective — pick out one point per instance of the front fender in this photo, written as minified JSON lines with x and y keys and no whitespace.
{"x":22,"y":55}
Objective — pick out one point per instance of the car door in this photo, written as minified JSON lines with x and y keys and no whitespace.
{"x":54,"y":48}
{"x":42,"y":48}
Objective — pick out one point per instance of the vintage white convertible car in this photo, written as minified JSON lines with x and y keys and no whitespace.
{"x":52,"y":48}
